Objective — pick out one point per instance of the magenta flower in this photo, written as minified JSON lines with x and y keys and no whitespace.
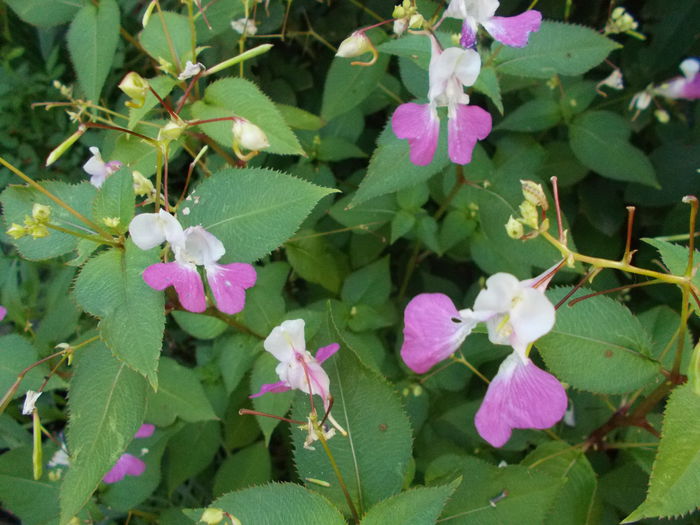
{"x":298,"y":369}
{"x":128,"y":464}
{"x":511,"y":31}
{"x":3,"y":312}
{"x":686,"y":86}
{"x":192,"y":247}
{"x":98,"y":169}
{"x":450,"y":70}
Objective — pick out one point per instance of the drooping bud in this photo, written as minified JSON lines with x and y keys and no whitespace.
{"x":135,"y":87}
{"x":249,"y":136}
{"x":662,"y":116}
{"x":41,"y":213}
{"x":212,"y":516}
{"x":143,"y":187}
{"x":640,"y":101}
{"x":528,"y":213}
{"x":355,"y":45}
{"x":171,"y":131}
{"x":534,"y":194}
{"x":614,"y":80}
{"x":16,"y":231}
{"x":514,"y":228}
{"x":416,"y":21}
{"x":65,"y":146}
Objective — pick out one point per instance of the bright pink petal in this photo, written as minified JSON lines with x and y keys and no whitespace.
{"x":280,"y":386}
{"x":468,"y":37}
{"x":146,"y":430}
{"x":433,"y":331}
{"x":186,"y":280}
{"x":691,"y":89}
{"x":520,"y":396}
{"x":325,"y":352}
{"x":471,"y":123}
{"x":228,"y":283}
{"x":126,"y":465}
{"x":514,"y":30}
{"x":3,"y":312}
{"x":419,"y":124}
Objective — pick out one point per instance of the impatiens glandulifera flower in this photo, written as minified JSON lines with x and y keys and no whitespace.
{"x":508,"y":30}
{"x":686,"y":86}
{"x":3,"y":312}
{"x":192,"y":247}
{"x":128,"y":464}
{"x":297,"y":368}
{"x":98,"y":169}
{"x":450,"y":70}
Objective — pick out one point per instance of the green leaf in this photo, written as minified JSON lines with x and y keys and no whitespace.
{"x":334,"y":149}
{"x":401,"y":224}
{"x":317,"y":260}
{"x":598,"y":345}
{"x":675,"y":479}
{"x":17,"y":202}
{"x":374,"y":456}
{"x":277,"y":503}
{"x":418,"y":506}
{"x":237,"y":352}
{"x":199,"y":325}
{"x":675,"y":258}
{"x":61,"y":314}
{"x":132,"y":319}
{"x":599,"y":139}
{"x":299,"y":119}
{"x":370,"y":284}
{"x":162,"y":85}
{"x":116,"y":199}
{"x":390,"y":168}
{"x":556,"y":48}
{"x":535,"y":115}
{"x":92,"y":41}
{"x":45,"y":13}
{"x":252,"y":211}
{"x":492,"y":495}
{"x":249,"y":466}
{"x":230,"y":97}
{"x":273,"y":403}
{"x":16,"y":354}
{"x":180,"y":394}
{"x":107,"y":402}
{"x":487,"y":83}
{"x":173,"y":45}
{"x":370,"y":215}
{"x":347,"y":86}
{"x":190,"y":451}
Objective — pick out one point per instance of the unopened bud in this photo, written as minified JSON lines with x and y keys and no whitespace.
{"x":65,"y":145}
{"x":514,"y":228}
{"x":355,"y":45}
{"x":41,"y":213}
{"x":16,"y":231}
{"x":111,"y":222}
{"x":212,"y":516}
{"x":640,"y":101}
{"x":171,"y":131}
{"x":400,"y":26}
{"x":135,"y":87}
{"x":534,"y":193}
{"x":30,"y":402}
{"x":36,"y":229}
{"x":662,"y":116}
{"x":143,"y":187}
{"x":416,"y":21}
{"x":148,"y":13}
{"x":528,"y":213}
{"x":249,"y":136}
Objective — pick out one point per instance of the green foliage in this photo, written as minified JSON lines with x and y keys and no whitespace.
{"x":317,"y":261}
{"x":535,"y":115}
{"x":419,"y":506}
{"x":249,"y":466}
{"x":92,"y":42}
{"x":168,"y":36}
{"x":17,"y":354}
{"x":45,"y":13}
{"x":190,"y":451}
{"x":276,"y":403}
{"x":115,"y":200}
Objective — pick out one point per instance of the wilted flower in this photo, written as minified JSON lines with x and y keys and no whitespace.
{"x":98,"y":169}
{"x":192,"y":247}
{"x":191,"y":70}
{"x":128,"y":464}
{"x":614,"y":80}
{"x":244,"y":26}
{"x":30,"y":402}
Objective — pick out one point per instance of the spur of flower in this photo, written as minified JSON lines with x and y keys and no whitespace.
{"x":516,"y":313}
{"x":128,"y":464}
{"x":449,"y":72}
{"x":192,"y":247}
{"x":511,"y":31}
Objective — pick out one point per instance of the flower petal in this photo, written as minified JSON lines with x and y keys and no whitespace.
{"x":532,"y":316}
{"x":325,"y":352}
{"x":520,"y":396}
{"x":498,"y":295}
{"x":200,"y":247}
{"x":470,"y":123}
{"x":433,"y":331}
{"x":419,"y":124}
{"x":468,"y":36}
{"x":285,"y":339}
{"x":145,"y":430}
{"x":184,"y":278}
{"x":148,"y":230}
{"x":513,"y":30}
{"x":280,"y":386}
{"x":228,"y":283}
{"x":3,"y":312}
{"x":126,"y":465}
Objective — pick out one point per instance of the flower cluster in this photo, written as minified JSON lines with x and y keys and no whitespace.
{"x":516,"y":313}
{"x":192,"y":247}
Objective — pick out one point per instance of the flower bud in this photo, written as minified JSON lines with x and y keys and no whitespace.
{"x":528,"y":213}
{"x":191,"y":70}
{"x":65,"y":145}
{"x":534,"y":194}
{"x":135,"y":87}
{"x":143,"y":187}
{"x":662,"y":116}
{"x":416,"y":21}
{"x":16,"y":231}
{"x":355,"y":45}
{"x":171,"y":131}
{"x":248,"y":135}
{"x":41,"y":213}
{"x":111,"y":222}
{"x":514,"y":228}
{"x":400,"y":26}
{"x":212,"y":516}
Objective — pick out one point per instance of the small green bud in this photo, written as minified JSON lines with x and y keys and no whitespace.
{"x":528,"y":213}
{"x":212,"y":516}
{"x":135,"y":87}
{"x":16,"y":231}
{"x":171,"y":131}
{"x":534,"y":193}
{"x":41,"y":213}
{"x":514,"y":228}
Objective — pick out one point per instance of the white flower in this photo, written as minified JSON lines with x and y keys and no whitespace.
{"x":191,"y":70}
{"x":98,"y":169}
{"x":248,"y":135}
{"x":29,"y":402}
{"x":613,"y":80}
{"x":60,"y":458}
{"x":244,"y":26}
{"x":149,"y":230}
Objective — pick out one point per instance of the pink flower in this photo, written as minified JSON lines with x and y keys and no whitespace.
{"x":511,"y":31}
{"x":192,"y":247}
{"x":98,"y":169}
{"x":450,"y":70}
{"x":686,"y":86}
{"x":298,"y":369}
{"x":3,"y":312}
{"x":128,"y":464}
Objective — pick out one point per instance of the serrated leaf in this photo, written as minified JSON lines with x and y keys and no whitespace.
{"x":534,"y":115}
{"x":487,"y":83}
{"x":252,"y":211}
{"x":369,"y":285}
{"x":597,"y":345}
{"x":369,"y":215}
{"x":230,"y":97}
{"x":417,"y":506}
{"x":300,"y":119}
{"x":557,"y":48}
{"x":45,"y":13}
{"x":132,"y":319}
{"x":317,"y":260}
{"x":199,"y":325}
{"x":249,"y":466}
{"x":277,"y":503}
{"x":675,"y":258}
{"x":237,"y":352}
{"x":92,"y":42}
{"x":374,"y":456}
{"x":348,"y":86}
{"x":168,"y":36}
{"x":16,"y":354}
{"x":599,"y":139}
{"x":107,"y":402}
{"x":674,"y":486}
{"x":190,"y":451}
{"x":17,"y":202}
{"x":115,"y":200}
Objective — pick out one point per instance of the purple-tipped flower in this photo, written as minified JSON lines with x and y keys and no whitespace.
{"x":128,"y":464}
{"x":98,"y":169}
{"x":511,"y":31}
{"x":450,"y":70}
{"x":298,"y":369}
{"x":192,"y":247}
{"x":3,"y":312}
{"x":686,"y":86}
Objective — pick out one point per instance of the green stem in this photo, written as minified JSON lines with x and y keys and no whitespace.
{"x":159,"y":175}
{"x":98,"y":240}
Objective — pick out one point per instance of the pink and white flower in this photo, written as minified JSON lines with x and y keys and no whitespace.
{"x":686,"y":86}
{"x":297,"y":368}
{"x":450,"y":70}
{"x":98,"y":169}
{"x":511,"y":31}
{"x":128,"y":464}
{"x":3,"y":312}
{"x":192,"y":247}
